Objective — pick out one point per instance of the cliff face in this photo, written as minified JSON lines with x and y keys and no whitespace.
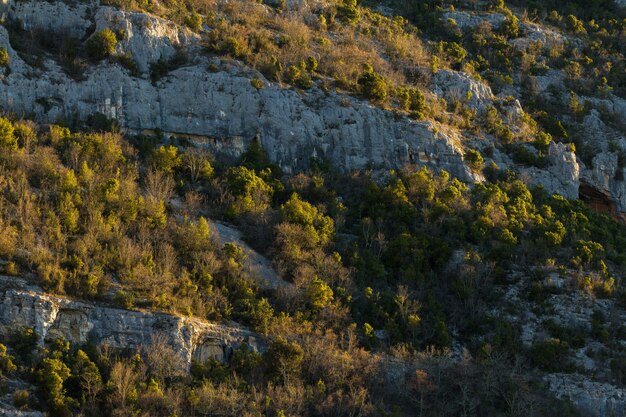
{"x":219,"y":109}
{"x":81,"y":322}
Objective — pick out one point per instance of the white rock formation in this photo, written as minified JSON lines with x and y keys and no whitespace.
{"x":561,"y":176}
{"x":592,"y":398}
{"x":147,"y":39}
{"x":468,"y":21}
{"x":453,"y":85}
{"x":80,"y":322}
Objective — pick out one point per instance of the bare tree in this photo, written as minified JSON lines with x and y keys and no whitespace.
{"x":162,"y":361}
{"x":159,"y":185}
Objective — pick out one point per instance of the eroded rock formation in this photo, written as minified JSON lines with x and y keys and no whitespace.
{"x":81,"y":322}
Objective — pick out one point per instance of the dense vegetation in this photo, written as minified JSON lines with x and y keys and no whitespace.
{"x":388,"y":275}
{"x":413,"y":257}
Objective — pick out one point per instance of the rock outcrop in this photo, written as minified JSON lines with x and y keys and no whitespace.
{"x":562,"y":176}
{"x":80,"y":322}
{"x":255,"y":264}
{"x":467,"y":21}
{"x":458,"y":86}
{"x":594,"y":399}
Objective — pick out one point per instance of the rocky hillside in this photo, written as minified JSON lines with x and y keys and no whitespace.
{"x":211,"y":101}
{"x":428,"y":195}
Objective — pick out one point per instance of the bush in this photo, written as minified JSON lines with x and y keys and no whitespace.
{"x":542,"y":141}
{"x":8,"y":141}
{"x":102,"y":44}
{"x":474,"y":160}
{"x":5,"y":60}
{"x":194,"y":22}
{"x":551,"y":355}
{"x":23,"y":341}
{"x":299,"y":77}
{"x":319,"y":294}
{"x":319,"y":227}
{"x":21,"y":399}
{"x":510,"y":28}
{"x":256,"y":83}
{"x":373,"y":85}
{"x":413,"y":100}
{"x":574,"y":24}
{"x":348,"y":11}
{"x":6,"y":362}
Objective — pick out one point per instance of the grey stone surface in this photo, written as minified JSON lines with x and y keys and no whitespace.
{"x":259,"y":267}
{"x":80,"y":322}
{"x":562,"y":176}
{"x":468,"y":21}
{"x":592,"y":398}
{"x":453,"y":85}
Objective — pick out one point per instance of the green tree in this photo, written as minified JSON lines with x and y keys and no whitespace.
{"x":6,"y":362}
{"x":372,"y":84}
{"x":51,"y":376}
{"x":284,"y":359}
{"x":23,"y":341}
{"x":88,"y":377}
{"x":320,"y":227}
{"x":8,"y":141}
{"x":319,"y":294}
{"x":252,"y":194}
{"x":166,"y":158}
{"x":474,"y":160}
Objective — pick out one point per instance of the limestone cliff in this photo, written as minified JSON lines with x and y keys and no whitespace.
{"x":81,"y":322}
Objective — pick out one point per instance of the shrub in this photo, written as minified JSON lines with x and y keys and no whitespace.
{"x":23,"y":341}
{"x":474,"y":160}
{"x":251,"y":193}
{"x":542,"y":141}
{"x":6,"y":362}
{"x":8,"y":141}
{"x":510,"y":27}
{"x":256,"y":83}
{"x":319,"y":294}
{"x":299,"y":77}
{"x":413,"y":100}
{"x":21,"y":399}
{"x":5,"y":60}
{"x":574,"y":24}
{"x":166,"y":159}
{"x":102,"y":44}
{"x":454,"y":52}
{"x":125,"y":299}
{"x":348,"y":11}
{"x":372,"y":84}
{"x":311,"y":64}
{"x":194,"y":22}
{"x":551,"y":355}
{"x":319,"y":227}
